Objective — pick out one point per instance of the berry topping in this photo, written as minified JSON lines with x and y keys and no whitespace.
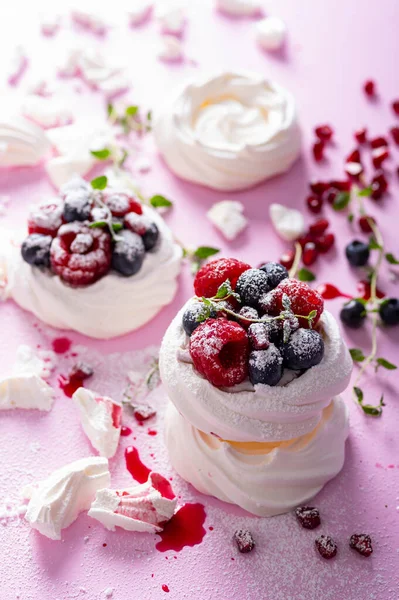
{"x":248,"y":313}
{"x":251,"y":285}
{"x":144,"y":227}
{"x":129,"y":253}
{"x":76,"y":183}
{"x":353,"y":314}
{"x":369,"y":88}
{"x":83,"y":261}
{"x":143,"y":412}
{"x":80,"y":372}
{"x":318,"y":187}
{"x":361,"y":135}
{"x":319,"y":227}
{"x":287,"y":259}
{"x":213,"y":274}
{"x":389,"y":311}
{"x":303,"y":300}
{"x":324,"y":132}
{"x":361,"y":542}
{"x":266,"y":366}
{"x":244,"y":540}
{"x":77,"y":205}
{"x":35,"y":249}
{"x":364,"y":223}
{"x":395,"y":134}
{"x":310,"y":253}
{"x":325,"y":242}
{"x":192,"y":313}
{"x":326,"y":546}
{"x":357,"y":253}
{"x":379,"y":185}
{"x":275,"y":272}
{"x":304,"y":349}
{"x":315,"y":204}
{"x":258,"y":336}
{"x":120,"y":204}
{"x":378,"y":142}
{"x":220,"y":349}
{"x":379,"y":155}
{"x":45,"y":219}
{"x":308,"y":516}
{"x":318,"y":151}
{"x":395,"y":107}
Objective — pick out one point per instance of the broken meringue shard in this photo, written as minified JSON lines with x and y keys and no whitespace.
{"x":101,"y":420}
{"x":57,"y":501}
{"x":288,"y":222}
{"x":22,"y":143}
{"x":143,"y":508}
{"x":25,"y":390}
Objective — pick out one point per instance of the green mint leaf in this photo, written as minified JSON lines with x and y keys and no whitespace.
{"x":117,"y":227}
{"x":101,"y":154}
{"x":305,"y":275}
{"x":361,"y":300}
{"x":312,"y":315}
{"x":99,"y":183}
{"x":391,"y":259}
{"x":224,"y":290}
{"x":382,"y":362}
{"x":98,"y":224}
{"x":131,"y":111}
{"x":110,"y":109}
{"x":286,"y":302}
{"x":365,"y":192}
{"x":159,"y":201}
{"x":357,"y":354}
{"x":374,"y":411}
{"x":373,"y":245}
{"x":351,"y":216}
{"x":341,"y":201}
{"x":203,"y":252}
{"x":359,"y":394}
{"x":286,"y":331}
{"x":205,"y":312}
{"x":149,"y":116}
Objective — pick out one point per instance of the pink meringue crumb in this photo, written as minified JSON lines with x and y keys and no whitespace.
{"x":18,"y":68}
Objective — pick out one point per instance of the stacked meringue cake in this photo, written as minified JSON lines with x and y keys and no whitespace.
{"x":253,"y":366}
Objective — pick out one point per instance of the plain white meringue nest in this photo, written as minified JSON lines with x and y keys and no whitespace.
{"x":228,"y":132}
{"x":255,"y":414}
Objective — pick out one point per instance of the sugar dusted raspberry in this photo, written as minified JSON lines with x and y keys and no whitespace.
{"x":326,"y":546}
{"x":361,"y":542}
{"x":244,"y":540}
{"x":258,"y":336}
{"x":214,"y":273}
{"x":308,"y":516}
{"x":220,"y":350}
{"x":46,"y":219}
{"x":303,"y":300}
{"x":81,"y":255}
{"x":120,"y":204}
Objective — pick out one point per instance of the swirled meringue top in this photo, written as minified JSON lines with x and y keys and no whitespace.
{"x":229,"y":132}
{"x":262,"y":413}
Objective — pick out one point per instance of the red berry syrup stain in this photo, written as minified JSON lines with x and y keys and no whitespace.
{"x":163,"y":486}
{"x":61,"y":345}
{"x":136,"y":468}
{"x":184,"y":529}
{"x":125,"y":431}
{"x":69,"y":386}
{"x":165,"y":588}
{"x":152,"y":432}
{"x":329,"y":292}
{"x":364,"y":289}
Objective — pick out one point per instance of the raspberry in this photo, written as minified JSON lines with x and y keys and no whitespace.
{"x":120,"y":204}
{"x":361,"y":542}
{"x":46,"y":219}
{"x":80,"y":255}
{"x":326,"y":546}
{"x":214,"y":273}
{"x":303,"y":300}
{"x":244,"y":540}
{"x":220,"y":350}
{"x":308,"y":516}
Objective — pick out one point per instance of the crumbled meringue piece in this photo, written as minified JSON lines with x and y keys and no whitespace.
{"x":27,"y":391}
{"x":28,"y":362}
{"x":90,"y":21}
{"x":18,"y":66}
{"x":171,"y":49}
{"x":171,"y":16}
{"x":240,"y":8}
{"x":288,"y":222}
{"x":142,"y":164}
{"x":271,"y":33}
{"x":140,"y":508}
{"x":22,"y":143}
{"x":228,"y":217}
{"x":50,"y":24}
{"x":101,"y":420}
{"x":47,"y":112}
{"x":57,"y":501}
{"x":70,"y":64}
{"x":139,"y":12}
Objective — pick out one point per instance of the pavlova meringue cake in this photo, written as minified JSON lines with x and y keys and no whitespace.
{"x":228,"y":132}
{"x":253,"y":366}
{"x":97,"y":262}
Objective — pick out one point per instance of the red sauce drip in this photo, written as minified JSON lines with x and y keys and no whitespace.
{"x":61,"y":345}
{"x":165,"y":588}
{"x":125,"y":430}
{"x":152,"y":432}
{"x":329,"y":292}
{"x":364,"y":290}
{"x":69,"y":386}
{"x":163,"y":486}
{"x":136,"y":468}
{"x":184,"y":529}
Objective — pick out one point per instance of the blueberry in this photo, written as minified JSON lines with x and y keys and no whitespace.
{"x":251,"y":285}
{"x":389,"y":311}
{"x":77,"y":205}
{"x":265,"y":366}
{"x":144,"y":227}
{"x":35,"y":249}
{"x":128,"y":253}
{"x":357,"y":253}
{"x":304,"y":349}
{"x":275,"y":272}
{"x":190,"y":317}
{"x":353,"y":314}
{"x":274,"y":330}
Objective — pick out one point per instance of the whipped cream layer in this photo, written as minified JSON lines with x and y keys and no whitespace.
{"x":262,"y":413}
{"x":112,"y":306}
{"x":229,"y":132}
{"x":264,"y":479}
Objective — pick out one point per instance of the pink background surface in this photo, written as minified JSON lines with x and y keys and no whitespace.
{"x":333,"y":46}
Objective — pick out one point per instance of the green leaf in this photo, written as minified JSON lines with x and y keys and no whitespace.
{"x":357,"y":354}
{"x":359,"y":394}
{"x":149,"y":116}
{"x":373,"y":411}
{"x":101,"y":154}
{"x":110,"y":109}
{"x":286,"y":302}
{"x":203,"y":252}
{"x":159,"y":201}
{"x":382,"y":362}
{"x":117,"y":227}
{"x":98,"y":224}
{"x":365,"y":192}
{"x":99,"y":183}
{"x":224,"y":290}
{"x":123,"y":158}
{"x":131,"y":111}
{"x":351,"y":216}
{"x":373,"y":245}
{"x":305,"y":275}
{"x":361,"y":300}
{"x":312,"y":314}
{"x":341,"y":201}
{"x":391,"y":259}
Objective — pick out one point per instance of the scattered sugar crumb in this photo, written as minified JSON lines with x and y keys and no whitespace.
{"x":228,"y":217}
{"x":108,"y":592}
